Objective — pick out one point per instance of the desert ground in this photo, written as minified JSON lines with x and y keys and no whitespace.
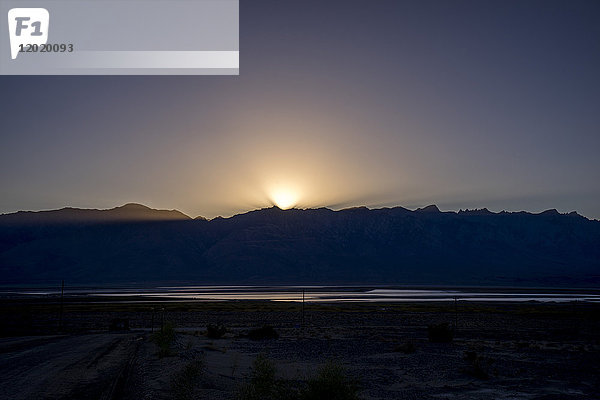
{"x":498,"y":350}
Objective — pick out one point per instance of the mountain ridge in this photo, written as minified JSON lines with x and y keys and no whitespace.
{"x":355,"y":245}
{"x":176,"y":214}
{"x":128,"y":211}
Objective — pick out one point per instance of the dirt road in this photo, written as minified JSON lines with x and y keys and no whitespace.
{"x":64,"y":367}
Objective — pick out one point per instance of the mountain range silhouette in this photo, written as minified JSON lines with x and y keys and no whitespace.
{"x":136,"y":244}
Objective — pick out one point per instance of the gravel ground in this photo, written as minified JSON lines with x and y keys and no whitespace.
{"x":500,"y":351}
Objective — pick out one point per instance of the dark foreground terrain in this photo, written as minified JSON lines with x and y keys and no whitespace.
{"x":499,"y":351}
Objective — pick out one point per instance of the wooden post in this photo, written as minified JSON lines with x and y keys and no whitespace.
{"x":455,"y":313}
{"x":60,"y":317}
{"x":303,"y":308}
{"x":152,"y":323}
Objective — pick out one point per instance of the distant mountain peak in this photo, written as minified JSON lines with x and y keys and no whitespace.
{"x":476,"y":211}
{"x":552,"y":211}
{"x":132,"y":206}
{"x":432,"y":208}
{"x":126,"y":212}
{"x":575,"y":214}
{"x":356,"y":209}
{"x":135,"y":211}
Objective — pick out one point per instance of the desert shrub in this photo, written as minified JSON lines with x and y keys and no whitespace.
{"x":266,"y":332}
{"x":440,"y":333}
{"x":119,"y":324}
{"x":263,"y":384}
{"x":164,"y":339}
{"x":215,"y":331}
{"x":476,"y":362}
{"x":331,"y":383}
{"x":406,"y":348}
{"x":185,"y":381}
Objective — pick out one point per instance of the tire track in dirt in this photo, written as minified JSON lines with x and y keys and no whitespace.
{"x":81,"y":367}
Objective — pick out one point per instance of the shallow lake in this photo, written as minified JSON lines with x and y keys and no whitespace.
{"x":321,"y":293}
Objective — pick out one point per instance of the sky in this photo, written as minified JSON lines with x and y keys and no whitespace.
{"x":463,"y":104}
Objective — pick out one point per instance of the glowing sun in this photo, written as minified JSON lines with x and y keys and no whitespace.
{"x":284,"y":198}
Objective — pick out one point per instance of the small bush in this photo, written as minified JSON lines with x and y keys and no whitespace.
{"x":440,"y":333}
{"x":470,"y":356}
{"x":184,"y":382}
{"x":476,"y":365}
{"x":331,"y":383}
{"x":215,"y":331}
{"x":164,"y":339}
{"x":263,"y":385}
{"x":266,"y":332}
{"x":119,"y":324}
{"x":406,"y":348}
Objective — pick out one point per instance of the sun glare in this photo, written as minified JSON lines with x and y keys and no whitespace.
{"x":284,"y":198}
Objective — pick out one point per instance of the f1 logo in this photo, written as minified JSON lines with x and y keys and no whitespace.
{"x":27,"y":26}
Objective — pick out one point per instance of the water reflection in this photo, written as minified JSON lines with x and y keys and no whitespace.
{"x":323,"y":294}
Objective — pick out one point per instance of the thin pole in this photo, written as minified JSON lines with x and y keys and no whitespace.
{"x":60,"y":318}
{"x":152,"y":324}
{"x":302,"y":308}
{"x":455,"y":313}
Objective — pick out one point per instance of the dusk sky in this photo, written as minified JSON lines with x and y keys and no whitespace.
{"x":465,"y":104}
